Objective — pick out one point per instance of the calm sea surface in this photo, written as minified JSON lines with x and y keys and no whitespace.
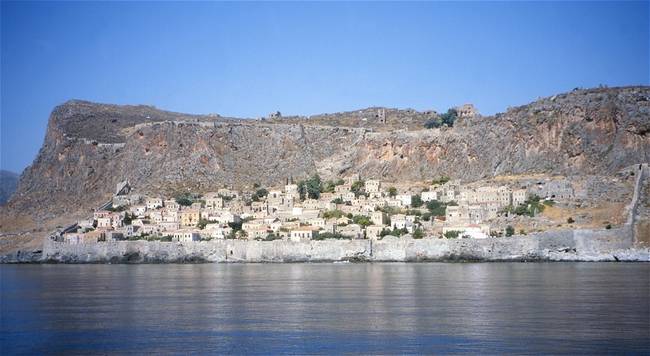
{"x":478,"y":308}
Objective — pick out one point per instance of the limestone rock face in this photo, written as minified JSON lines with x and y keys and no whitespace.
{"x":90,"y":147}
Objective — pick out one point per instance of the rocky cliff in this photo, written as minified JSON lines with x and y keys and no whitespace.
{"x":8,"y":183}
{"x":90,"y":147}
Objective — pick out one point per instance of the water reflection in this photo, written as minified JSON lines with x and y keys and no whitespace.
{"x":326,"y":308}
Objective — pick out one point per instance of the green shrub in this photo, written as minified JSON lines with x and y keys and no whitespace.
{"x":531,"y":207}
{"x":235,"y":226}
{"x":330,"y":185}
{"x":310,"y":188}
{"x":449,"y":117}
{"x":271,"y":237}
{"x":416,"y":201}
{"x":441,"y":180}
{"x":329,"y":235}
{"x":433,"y":123}
{"x":362,"y":220}
{"x":510,"y":230}
{"x":332,"y":214}
{"x":452,"y":234}
{"x":438,"y":208}
{"x":570,"y":220}
{"x":259,"y":194}
{"x":202,"y":223}
{"x":358,"y":188}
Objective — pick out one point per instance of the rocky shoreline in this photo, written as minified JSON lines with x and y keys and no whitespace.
{"x":566,"y":245}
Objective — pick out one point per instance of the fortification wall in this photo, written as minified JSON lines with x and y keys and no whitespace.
{"x":565,"y":245}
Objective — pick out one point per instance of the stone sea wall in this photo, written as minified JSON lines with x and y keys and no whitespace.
{"x":564,"y":245}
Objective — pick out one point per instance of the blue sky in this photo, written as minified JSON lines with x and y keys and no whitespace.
{"x":248,"y":59}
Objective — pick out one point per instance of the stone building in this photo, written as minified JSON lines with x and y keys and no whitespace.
{"x":303,"y":232}
{"x":190,"y":217}
{"x":466,"y":111}
{"x":186,"y":235}
{"x":381,"y":116}
{"x":213,"y":201}
{"x":372,"y":186}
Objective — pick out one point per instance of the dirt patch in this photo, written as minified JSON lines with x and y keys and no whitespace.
{"x":592,"y":217}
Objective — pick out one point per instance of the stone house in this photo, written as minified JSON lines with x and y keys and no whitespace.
{"x":275,"y":226}
{"x":398,"y":221}
{"x":190,"y":217}
{"x":311,"y":204}
{"x":220,"y":232}
{"x":303,"y":233}
{"x":139,"y":210}
{"x":104,"y":223}
{"x":350,"y":209}
{"x":137,"y":222}
{"x":519,"y":196}
{"x":343,"y":220}
{"x":171,"y":204}
{"x":372,"y":186}
{"x":94,"y":236}
{"x":156,"y":216}
{"x":378,"y":218}
{"x":225,"y":217}
{"x":309,"y":214}
{"x":186,"y":235}
{"x":154,"y":203}
{"x":167,"y":226}
{"x":213,"y":201}
{"x":348,"y":196}
{"x":170,"y":215}
{"x":351,"y":179}
{"x":395,"y":203}
{"x":260,"y":215}
{"x":151,"y":229}
{"x":73,"y":238}
{"x":112,"y":235}
{"x":317,"y":222}
{"x":129,"y":230}
{"x":404,"y":198}
{"x":225,"y":192}
{"x":84,"y":238}
{"x":251,"y":226}
{"x":291,"y":189}
{"x":465,"y":214}
{"x":101,"y":214}
{"x":343,"y":188}
{"x":373,"y":232}
{"x":429,"y":196}
{"x":86,"y":224}
{"x":554,"y":189}
{"x":296,"y":211}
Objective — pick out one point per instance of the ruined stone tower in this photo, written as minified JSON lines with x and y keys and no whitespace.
{"x":381,"y":116}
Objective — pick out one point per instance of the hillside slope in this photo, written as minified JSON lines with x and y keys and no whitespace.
{"x":90,"y":147}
